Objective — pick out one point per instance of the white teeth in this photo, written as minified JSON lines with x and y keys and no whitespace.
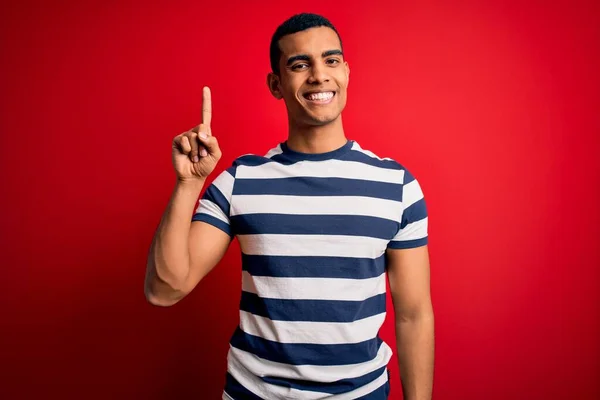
{"x":320,"y":96}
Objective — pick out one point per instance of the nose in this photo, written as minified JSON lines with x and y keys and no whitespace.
{"x":318,"y":74}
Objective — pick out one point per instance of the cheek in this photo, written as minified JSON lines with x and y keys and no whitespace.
{"x":342,"y":81}
{"x":292,"y":83}
{"x":290,"y":90}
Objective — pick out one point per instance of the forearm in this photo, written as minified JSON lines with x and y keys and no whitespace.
{"x":415,"y":344}
{"x":169,"y":257}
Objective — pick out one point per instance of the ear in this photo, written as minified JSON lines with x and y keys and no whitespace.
{"x":274,"y":86}
{"x":347,"y":70}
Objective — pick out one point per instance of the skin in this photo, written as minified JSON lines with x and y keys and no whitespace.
{"x":408,"y":275}
{"x":183,"y":252}
{"x":312,"y":60}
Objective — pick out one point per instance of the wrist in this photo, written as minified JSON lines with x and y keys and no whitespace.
{"x":190,"y":185}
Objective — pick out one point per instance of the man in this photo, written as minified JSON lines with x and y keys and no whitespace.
{"x":319,"y":221}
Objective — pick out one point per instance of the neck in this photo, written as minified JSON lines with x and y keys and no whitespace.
{"x":316,"y":139}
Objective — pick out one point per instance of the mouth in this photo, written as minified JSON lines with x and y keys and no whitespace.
{"x":320,"y":97}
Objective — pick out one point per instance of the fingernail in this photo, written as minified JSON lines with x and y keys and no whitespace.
{"x":203,"y":153}
{"x":195,"y":159}
{"x":203,"y":135}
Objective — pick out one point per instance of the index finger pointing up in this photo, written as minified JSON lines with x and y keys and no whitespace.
{"x":206,"y":106}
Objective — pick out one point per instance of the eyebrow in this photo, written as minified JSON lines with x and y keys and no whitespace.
{"x":305,"y":57}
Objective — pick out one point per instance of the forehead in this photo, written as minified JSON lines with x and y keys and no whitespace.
{"x":313,"y":41}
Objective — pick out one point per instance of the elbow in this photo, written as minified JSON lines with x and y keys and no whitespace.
{"x":163,"y":290}
{"x":424,"y":319}
{"x":417,"y":314}
{"x":160,"y":301}
{"x":162,"y":295}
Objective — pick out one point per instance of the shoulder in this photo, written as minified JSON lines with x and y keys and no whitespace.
{"x":368,"y":157}
{"x":254,"y":160}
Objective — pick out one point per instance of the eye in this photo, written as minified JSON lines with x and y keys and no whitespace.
{"x":299,"y":66}
{"x":332,"y":61}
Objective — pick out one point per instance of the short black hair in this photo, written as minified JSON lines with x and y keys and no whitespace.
{"x":294,"y":24}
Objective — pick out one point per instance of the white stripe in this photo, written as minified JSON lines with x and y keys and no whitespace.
{"x":313,"y":288}
{"x":274,"y":151}
{"x":265,"y":390}
{"x":226,"y":396}
{"x":322,"y":169}
{"x":315,"y":373}
{"x":312,"y":245}
{"x":414,"y":231}
{"x":362,"y":391}
{"x":411,"y":193}
{"x":311,"y":332}
{"x":224,"y":182}
{"x":356,"y":147}
{"x":210,"y":208}
{"x":246,"y":368}
{"x":316,"y":205}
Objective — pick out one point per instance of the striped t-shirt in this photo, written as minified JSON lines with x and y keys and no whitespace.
{"x":313,"y":230}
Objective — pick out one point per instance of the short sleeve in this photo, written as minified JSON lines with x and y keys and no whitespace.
{"x":413,"y":222}
{"x":213,"y":208}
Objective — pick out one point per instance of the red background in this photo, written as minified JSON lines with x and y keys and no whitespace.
{"x":492,"y":105}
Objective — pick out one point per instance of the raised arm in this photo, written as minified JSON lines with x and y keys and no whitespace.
{"x":182,"y":251}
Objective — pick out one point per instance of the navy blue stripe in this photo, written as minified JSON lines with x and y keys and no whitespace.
{"x":216,"y":222}
{"x":237,"y":391}
{"x":306,"y":353}
{"x":313,"y":266}
{"x":214,"y":194}
{"x":312,"y":310}
{"x":337,"y":387}
{"x":358,"y":156}
{"x":415,"y":212}
{"x":408,"y":177}
{"x":407,"y":244}
{"x":355,"y":156}
{"x":309,"y":186}
{"x":286,"y":224}
{"x":288,"y":156}
{"x":232,"y":170}
{"x":381,"y":393}
{"x":251,"y":160}
{"x":284,"y":159}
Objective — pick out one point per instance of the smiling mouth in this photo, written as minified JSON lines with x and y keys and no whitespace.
{"x":319,"y":97}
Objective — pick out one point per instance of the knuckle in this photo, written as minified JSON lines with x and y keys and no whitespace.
{"x":192,"y":134}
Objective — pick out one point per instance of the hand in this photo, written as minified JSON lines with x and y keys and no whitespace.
{"x":196,"y":152}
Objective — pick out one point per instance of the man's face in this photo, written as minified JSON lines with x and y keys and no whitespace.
{"x":313,"y":77}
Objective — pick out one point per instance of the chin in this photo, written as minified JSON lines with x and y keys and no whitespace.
{"x":322,"y":118}
{"x":307,"y":117}
{"x":319,"y":120}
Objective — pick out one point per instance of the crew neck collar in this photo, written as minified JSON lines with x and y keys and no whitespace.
{"x":298,"y":156}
